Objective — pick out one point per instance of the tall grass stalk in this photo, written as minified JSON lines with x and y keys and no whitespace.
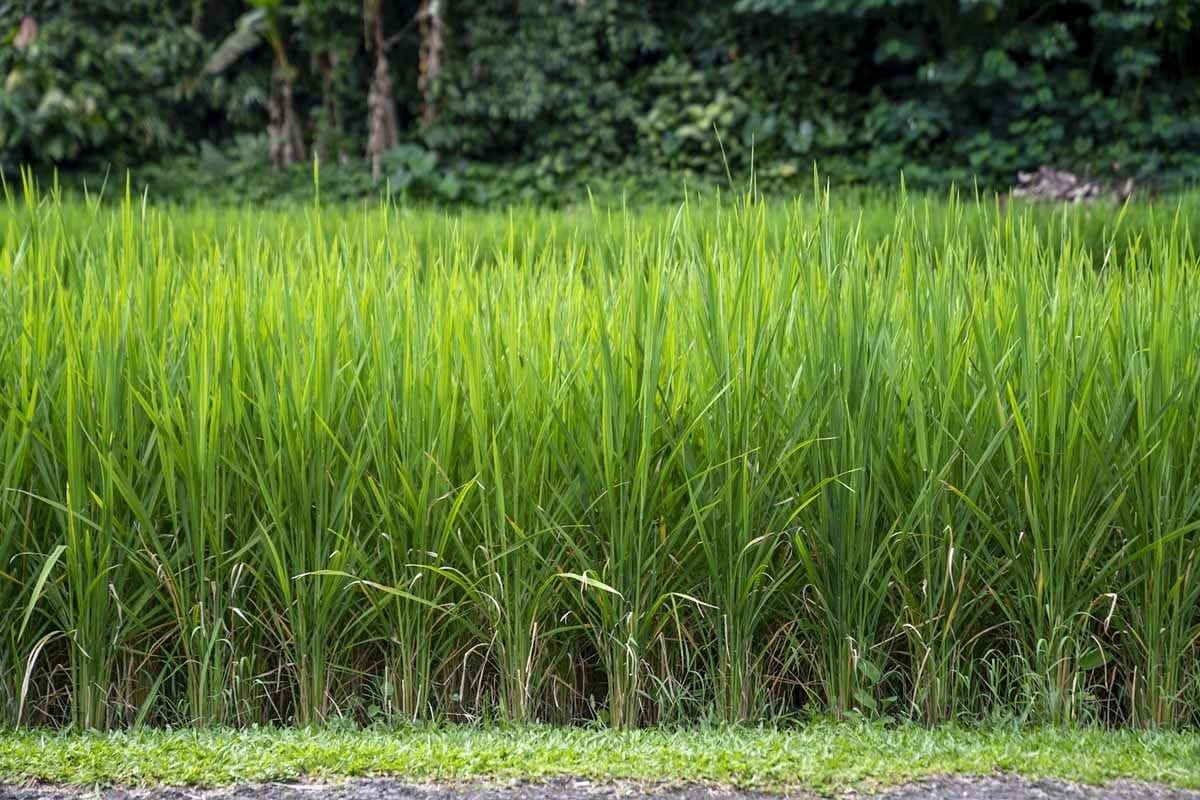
{"x":911,"y":456}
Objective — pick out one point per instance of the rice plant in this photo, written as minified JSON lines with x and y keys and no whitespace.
{"x":744,"y":460}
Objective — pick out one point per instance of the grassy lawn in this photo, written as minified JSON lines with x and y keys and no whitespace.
{"x":821,"y":757}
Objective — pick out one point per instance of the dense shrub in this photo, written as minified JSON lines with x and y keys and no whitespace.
{"x":96,"y":80}
{"x":570,"y":91}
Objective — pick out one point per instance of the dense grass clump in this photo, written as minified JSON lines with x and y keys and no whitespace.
{"x":915,"y":458}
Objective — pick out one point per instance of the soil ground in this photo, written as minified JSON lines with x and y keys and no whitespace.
{"x":995,"y":787}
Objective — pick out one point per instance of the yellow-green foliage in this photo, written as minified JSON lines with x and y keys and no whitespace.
{"x":914,"y":457}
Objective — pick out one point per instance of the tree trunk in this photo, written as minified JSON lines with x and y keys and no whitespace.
{"x":285,"y":141}
{"x":432,"y":29}
{"x":383,"y":128}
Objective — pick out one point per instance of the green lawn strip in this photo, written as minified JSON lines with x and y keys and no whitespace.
{"x":821,"y":757}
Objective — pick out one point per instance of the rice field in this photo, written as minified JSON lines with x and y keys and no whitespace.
{"x":895,"y":457}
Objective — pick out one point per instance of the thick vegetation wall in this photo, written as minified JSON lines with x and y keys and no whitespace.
{"x":532,"y":98}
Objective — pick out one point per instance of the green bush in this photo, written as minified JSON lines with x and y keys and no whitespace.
{"x":100,"y":81}
{"x":546,"y":94}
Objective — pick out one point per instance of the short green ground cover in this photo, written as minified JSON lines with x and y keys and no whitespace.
{"x":903,"y":457}
{"x":822,"y":757}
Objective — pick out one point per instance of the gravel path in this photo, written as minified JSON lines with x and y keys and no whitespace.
{"x":999,"y":787}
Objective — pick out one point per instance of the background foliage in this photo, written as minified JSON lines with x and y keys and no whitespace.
{"x":534,"y":98}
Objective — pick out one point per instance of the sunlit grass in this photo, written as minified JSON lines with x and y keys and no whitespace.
{"x":822,"y":757}
{"x":912,"y":459}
